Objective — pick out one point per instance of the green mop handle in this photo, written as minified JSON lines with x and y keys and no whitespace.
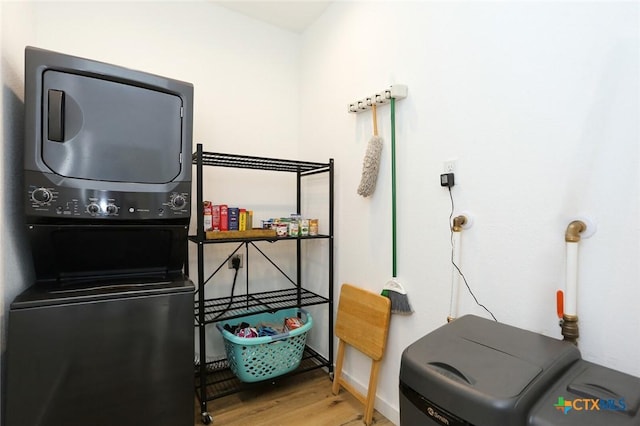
{"x":393,"y":186}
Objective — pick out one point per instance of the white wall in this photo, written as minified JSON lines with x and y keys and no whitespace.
{"x":538,"y":102}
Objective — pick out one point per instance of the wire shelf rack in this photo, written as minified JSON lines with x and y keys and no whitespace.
{"x":224,"y":308}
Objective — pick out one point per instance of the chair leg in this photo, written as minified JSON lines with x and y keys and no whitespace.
{"x":335,"y":388}
{"x":371,"y":392}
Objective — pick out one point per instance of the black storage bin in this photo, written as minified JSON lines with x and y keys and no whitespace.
{"x":473,"y":371}
{"x":589,"y":395}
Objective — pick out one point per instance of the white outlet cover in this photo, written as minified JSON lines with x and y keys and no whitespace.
{"x":450,"y":166}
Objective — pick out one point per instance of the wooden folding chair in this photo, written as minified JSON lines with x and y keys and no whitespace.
{"x":363,"y":323}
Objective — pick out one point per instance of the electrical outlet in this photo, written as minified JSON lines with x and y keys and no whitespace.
{"x":450,"y":166}
{"x":230,"y":261}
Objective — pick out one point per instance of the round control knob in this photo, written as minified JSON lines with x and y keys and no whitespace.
{"x":93,"y":208}
{"x":178,"y":201}
{"x":41,"y":195}
{"x":112,"y":209}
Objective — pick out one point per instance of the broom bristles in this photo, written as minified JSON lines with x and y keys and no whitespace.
{"x":399,"y":301}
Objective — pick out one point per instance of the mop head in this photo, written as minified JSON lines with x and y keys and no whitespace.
{"x":370,"y":167}
{"x":398,"y":296}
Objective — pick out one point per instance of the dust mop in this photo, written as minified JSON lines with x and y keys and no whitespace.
{"x":371,"y":162}
{"x":393,"y":289}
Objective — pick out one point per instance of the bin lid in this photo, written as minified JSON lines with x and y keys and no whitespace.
{"x":479,"y":369}
{"x":589,"y":395}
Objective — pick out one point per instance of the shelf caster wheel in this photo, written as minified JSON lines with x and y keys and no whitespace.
{"x":207,"y":419}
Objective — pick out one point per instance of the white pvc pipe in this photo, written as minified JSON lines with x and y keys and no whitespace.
{"x":455,"y":275}
{"x":571,"y":290}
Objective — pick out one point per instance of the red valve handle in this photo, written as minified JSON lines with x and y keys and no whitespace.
{"x":560,"y":303}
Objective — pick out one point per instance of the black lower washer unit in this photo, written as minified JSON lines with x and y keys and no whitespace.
{"x":112,"y":353}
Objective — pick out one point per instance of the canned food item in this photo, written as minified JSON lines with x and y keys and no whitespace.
{"x":294,"y":229}
{"x":208,"y":215}
{"x":282,"y":229}
{"x":313,"y":226}
{"x":304,"y":227}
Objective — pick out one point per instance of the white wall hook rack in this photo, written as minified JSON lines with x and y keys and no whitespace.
{"x":396,"y":91}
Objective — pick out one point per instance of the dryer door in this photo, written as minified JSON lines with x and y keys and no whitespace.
{"x":105,"y":130}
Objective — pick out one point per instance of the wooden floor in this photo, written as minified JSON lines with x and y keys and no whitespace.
{"x":304,"y":399}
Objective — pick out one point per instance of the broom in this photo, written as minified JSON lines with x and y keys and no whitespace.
{"x":371,"y":162}
{"x":393,"y":289}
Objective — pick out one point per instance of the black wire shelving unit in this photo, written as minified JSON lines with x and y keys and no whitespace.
{"x":214,"y":379}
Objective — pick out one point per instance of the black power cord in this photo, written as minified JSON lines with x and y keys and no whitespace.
{"x":458,"y":268}
{"x":235,"y":264}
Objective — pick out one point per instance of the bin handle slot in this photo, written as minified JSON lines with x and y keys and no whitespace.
{"x":451,"y":370}
{"x":591,"y":390}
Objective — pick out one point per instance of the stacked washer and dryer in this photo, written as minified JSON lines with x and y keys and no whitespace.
{"x":104,"y":336}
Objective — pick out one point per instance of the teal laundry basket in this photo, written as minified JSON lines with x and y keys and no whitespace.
{"x":261,"y":358}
